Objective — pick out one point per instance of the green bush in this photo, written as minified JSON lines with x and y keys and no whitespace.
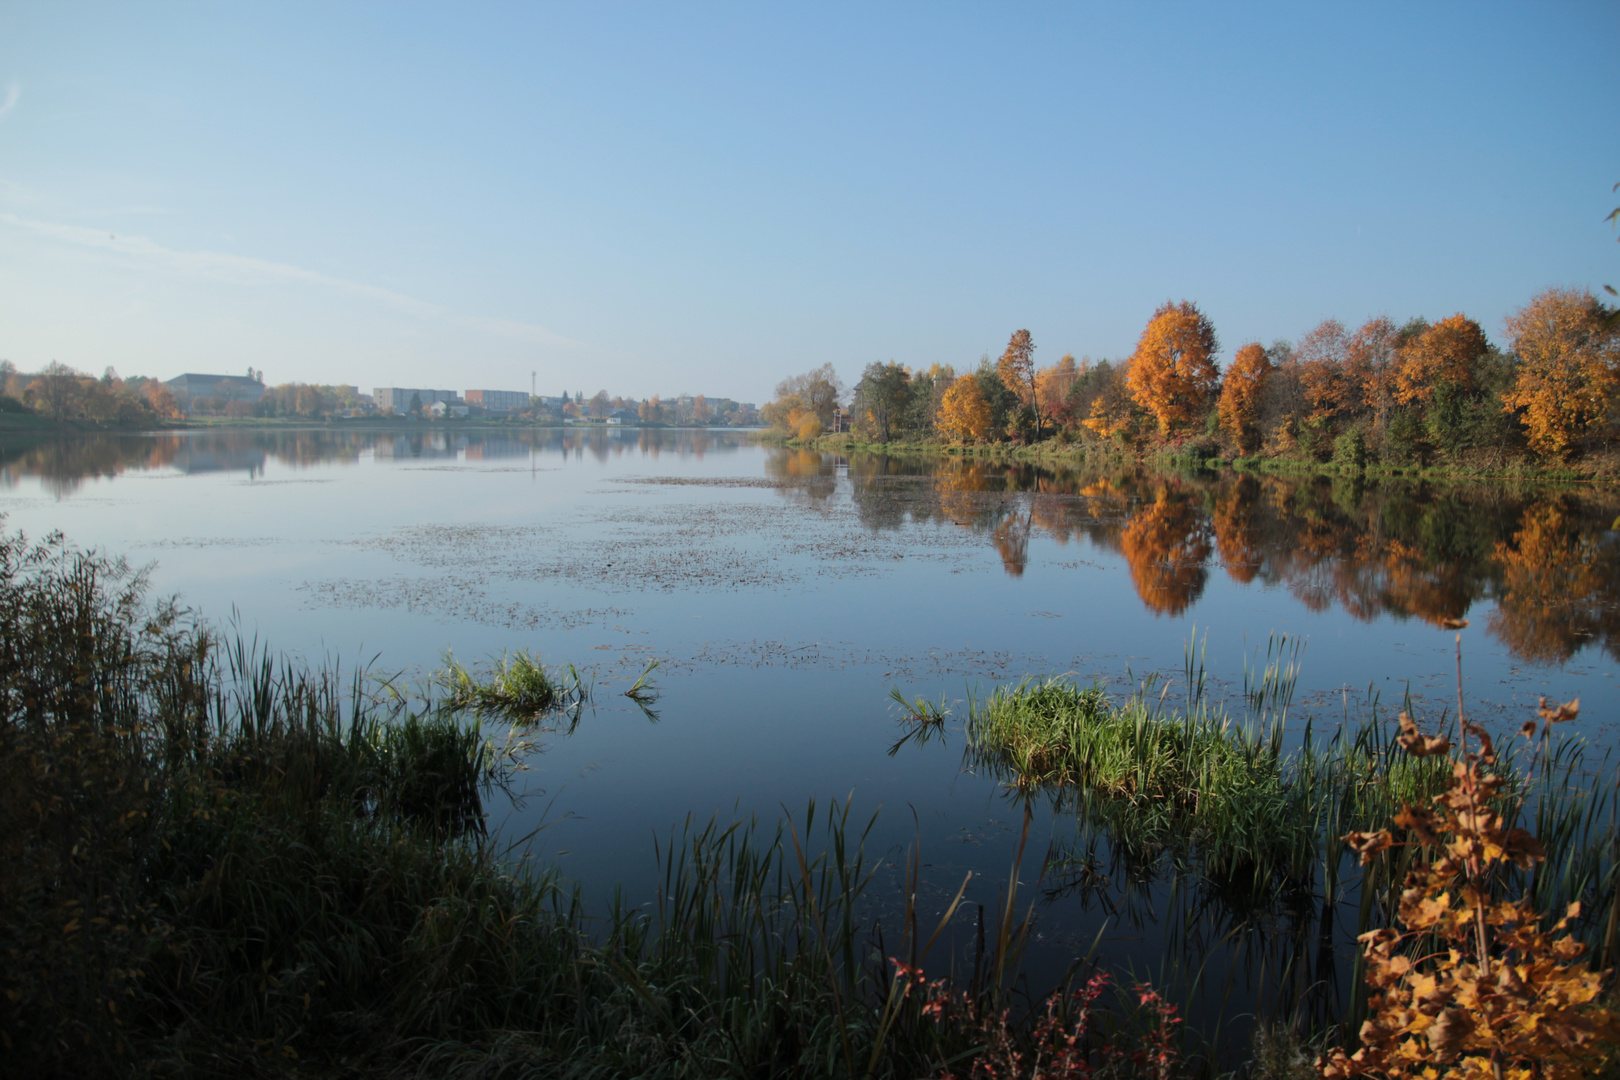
{"x":1350,"y":450}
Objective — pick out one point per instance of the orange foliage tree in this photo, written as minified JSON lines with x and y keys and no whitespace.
{"x":1017,"y":370}
{"x":1568,"y":370}
{"x":1173,"y":374}
{"x":1447,"y":352}
{"x":1321,"y":355}
{"x":964,"y":414}
{"x":1239,"y":404}
{"x":1369,"y":365}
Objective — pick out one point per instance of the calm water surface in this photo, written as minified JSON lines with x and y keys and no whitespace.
{"x":783,"y":593}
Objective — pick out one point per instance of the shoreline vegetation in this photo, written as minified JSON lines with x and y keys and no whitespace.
{"x":1416,"y":398}
{"x":218,"y":861}
{"x":1057,"y":452}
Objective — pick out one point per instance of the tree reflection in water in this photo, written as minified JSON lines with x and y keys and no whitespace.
{"x":1403,"y":548}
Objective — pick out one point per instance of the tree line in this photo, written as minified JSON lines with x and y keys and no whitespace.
{"x":1387,"y":393}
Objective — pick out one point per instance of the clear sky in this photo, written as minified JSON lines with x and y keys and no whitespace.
{"x":705,"y":198}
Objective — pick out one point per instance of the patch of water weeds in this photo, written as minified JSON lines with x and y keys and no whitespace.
{"x":462,"y":598}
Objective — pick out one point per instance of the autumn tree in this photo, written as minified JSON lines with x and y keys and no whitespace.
{"x":964,"y":414}
{"x":818,"y":390}
{"x":57,"y":392}
{"x":1239,"y":404}
{"x":1017,"y":370}
{"x":1568,"y":370}
{"x":1446,"y":353}
{"x":1052,"y":386}
{"x":1102,"y":396}
{"x":1321,"y":355}
{"x":1173,"y":374}
{"x":161,"y":400}
{"x":1369,"y":366}
{"x":600,"y":405}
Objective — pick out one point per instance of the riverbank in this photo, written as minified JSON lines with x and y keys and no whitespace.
{"x":1059,"y":452}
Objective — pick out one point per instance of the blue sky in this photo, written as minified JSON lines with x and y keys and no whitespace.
{"x":705,"y":198}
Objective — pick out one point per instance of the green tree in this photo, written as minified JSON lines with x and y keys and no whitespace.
{"x":881,"y":398}
{"x":1003,"y":403}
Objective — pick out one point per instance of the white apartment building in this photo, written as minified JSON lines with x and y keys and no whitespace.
{"x":398,"y":398}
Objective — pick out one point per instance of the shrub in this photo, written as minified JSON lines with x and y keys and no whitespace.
{"x":1474,"y":984}
{"x":1350,"y":450}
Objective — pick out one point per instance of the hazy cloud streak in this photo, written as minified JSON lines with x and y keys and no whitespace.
{"x":244,"y":270}
{"x":13,"y":95}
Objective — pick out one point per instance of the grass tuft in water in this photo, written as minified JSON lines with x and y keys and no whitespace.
{"x":516,"y":687}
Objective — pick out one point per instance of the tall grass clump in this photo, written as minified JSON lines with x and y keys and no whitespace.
{"x":517,"y":687}
{"x":211,"y":857}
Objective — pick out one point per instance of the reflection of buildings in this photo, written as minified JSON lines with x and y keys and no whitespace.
{"x":195,"y":457}
{"x":488,"y":449}
{"x":428,"y":444}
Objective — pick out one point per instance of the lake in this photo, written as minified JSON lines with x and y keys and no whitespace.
{"x":783,"y":593}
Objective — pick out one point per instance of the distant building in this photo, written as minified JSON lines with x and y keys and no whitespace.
{"x":398,"y":398}
{"x":498,"y":401}
{"x":224,"y":387}
{"x":623,"y":416}
{"x":441,"y":409}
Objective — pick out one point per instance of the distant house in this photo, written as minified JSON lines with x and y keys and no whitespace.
{"x":224,"y":387}
{"x":441,"y":409}
{"x":623,"y":416}
{"x":398,"y":398}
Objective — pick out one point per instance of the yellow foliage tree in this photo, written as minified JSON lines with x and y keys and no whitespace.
{"x":1568,"y":371}
{"x":1173,"y":373}
{"x":1447,"y":352}
{"x":964,"y":414}
{"x":1113,"y":411}
{"x":1239,"y":404}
